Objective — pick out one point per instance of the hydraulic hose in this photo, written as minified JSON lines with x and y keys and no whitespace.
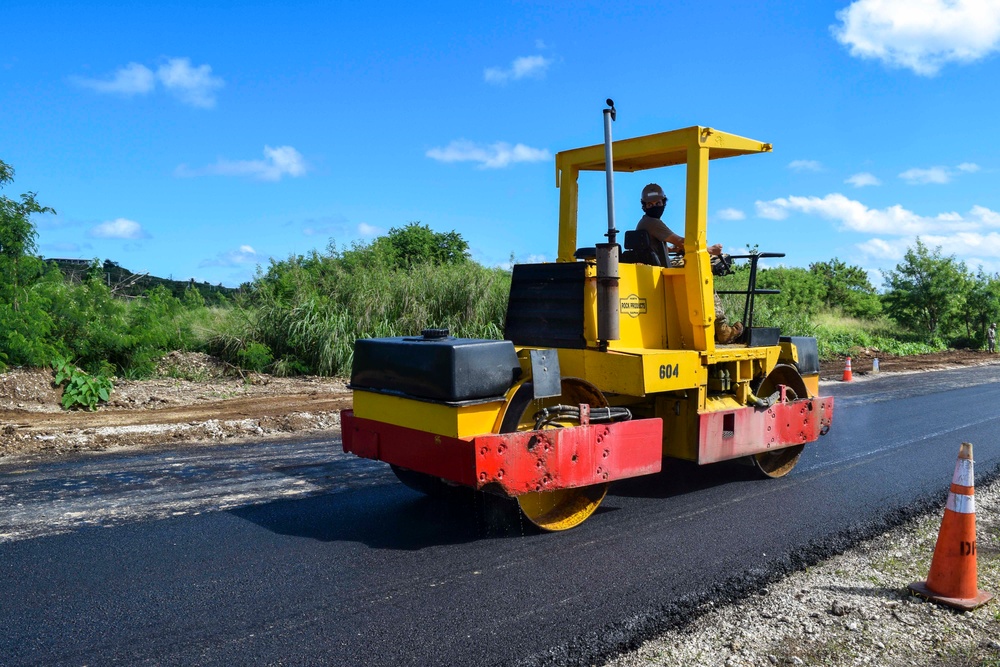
{"x":572,"y":413}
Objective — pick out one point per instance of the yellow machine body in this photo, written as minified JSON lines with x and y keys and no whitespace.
{"x":686,"y":396}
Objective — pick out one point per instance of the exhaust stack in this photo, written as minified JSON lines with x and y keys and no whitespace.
{"x":607,"y":253}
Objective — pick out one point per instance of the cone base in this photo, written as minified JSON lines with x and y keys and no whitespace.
{"x":965,"y":604}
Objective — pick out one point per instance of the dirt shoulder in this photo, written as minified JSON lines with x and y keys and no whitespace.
{"x":861,"y":364}
{"x":196,"y":399}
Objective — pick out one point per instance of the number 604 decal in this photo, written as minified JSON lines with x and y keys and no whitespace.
{"x":667,"y":371}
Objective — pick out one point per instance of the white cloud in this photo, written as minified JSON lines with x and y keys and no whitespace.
{"x":195,"y":86}
{"x":922,"y":35}
{"x":937,"y":175}
{"x":494,"y":156}
{"x":242,"y":256}
{"x":863,"y":179}
{"x":541,"y":45}
{"x":119,"y":228}
{"x":973,"y":234}
{"x":968,"y":167}
{"x":986,"y":216}
{"x":192,"y":85}
{"x":277,"y":162}
{"x":882,"y":249}
{"x":805,"y":165}
{"x":855,"y":216}
{"x":133,"y":79}
{"x":962,"y":244}
{"x":366,"y":230}
{"x":520,"y":68}
{"x":731,"y":214}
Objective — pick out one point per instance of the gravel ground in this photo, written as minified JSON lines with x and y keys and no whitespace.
{"x":853,"y":609}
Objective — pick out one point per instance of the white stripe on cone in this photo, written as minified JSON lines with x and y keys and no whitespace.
{"x":961,"y":503}
{"x":963,"y":473}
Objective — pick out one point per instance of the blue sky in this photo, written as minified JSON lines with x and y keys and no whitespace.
{"x":200,"y":139}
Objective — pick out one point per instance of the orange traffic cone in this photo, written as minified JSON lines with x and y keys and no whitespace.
{"x":952,"y":579}
{"x":848,"y":375}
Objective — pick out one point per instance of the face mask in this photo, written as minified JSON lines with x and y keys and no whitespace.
{"x":655,"y":211}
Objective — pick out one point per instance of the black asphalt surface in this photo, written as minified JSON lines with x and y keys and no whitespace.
{"x":291,"y":553}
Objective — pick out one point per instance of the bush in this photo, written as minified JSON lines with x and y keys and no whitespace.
{"x":82,"y":389}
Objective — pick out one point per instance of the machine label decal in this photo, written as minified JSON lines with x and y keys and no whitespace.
{"x":667,"y":371}
{"x":633,"y":306}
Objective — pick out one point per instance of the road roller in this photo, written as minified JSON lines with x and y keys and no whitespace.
{"x":609,"y":363}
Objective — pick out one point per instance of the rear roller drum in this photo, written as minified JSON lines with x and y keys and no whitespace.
{"x":560,"y":509}
{"x":781,"y":461}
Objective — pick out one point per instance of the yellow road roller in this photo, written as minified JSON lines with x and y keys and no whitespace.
{"x":609,"y":363}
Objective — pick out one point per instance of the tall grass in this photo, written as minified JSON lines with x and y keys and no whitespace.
{"x":308,"y":318}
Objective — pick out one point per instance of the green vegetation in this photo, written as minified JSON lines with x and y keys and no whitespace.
{"x":931,"y":303}
{"x":305,"y":312}
{"x":81,"y":389}
{"x":301,"y":315}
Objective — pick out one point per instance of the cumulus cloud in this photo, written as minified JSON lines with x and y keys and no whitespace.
{"x":242,"y":256}
{"x":973,"y":234}
{"x":852,"y":215}
{"x":192,"y":85}
{"x":921,"y":35}
{"x":521,"y":68}
{"x":277,"y":163}
{"x":962,"y":244}
{"x":937,"y":175}
{"x":805,"y":165}
{"x":493,"y":156}
{"x":968,"y":167}
{"x":731,"y":214}
{"x":133,"y":79}
{"x":195,"y":86}
{"x":366,"y":230}
{"x":119,"y":228}
{"x":882,"y":249}
{"x":863,"y":179}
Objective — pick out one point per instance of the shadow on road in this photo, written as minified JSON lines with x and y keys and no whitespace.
{"x":681,"y":477}
{"x":390,"y":517}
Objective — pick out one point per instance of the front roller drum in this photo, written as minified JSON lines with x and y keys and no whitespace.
{"x":559,"y":509}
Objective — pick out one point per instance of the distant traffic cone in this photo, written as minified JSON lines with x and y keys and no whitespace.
{"x":952,"y":579}
{"x":848,"y":375}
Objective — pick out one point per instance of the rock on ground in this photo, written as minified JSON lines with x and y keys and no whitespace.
{"x":854,"y":609}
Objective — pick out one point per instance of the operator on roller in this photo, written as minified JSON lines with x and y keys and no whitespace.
{"x":653,"y":202}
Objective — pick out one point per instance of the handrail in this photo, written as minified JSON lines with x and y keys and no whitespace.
{"x":751,"y":291}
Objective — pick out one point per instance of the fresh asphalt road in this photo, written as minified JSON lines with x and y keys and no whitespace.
{"x":292,"y":553}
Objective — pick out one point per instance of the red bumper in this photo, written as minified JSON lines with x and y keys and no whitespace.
{"x":515,"y":463}
{"x":734,"y":433}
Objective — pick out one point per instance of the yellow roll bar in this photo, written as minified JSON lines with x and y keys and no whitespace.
{"x":692,"y":146}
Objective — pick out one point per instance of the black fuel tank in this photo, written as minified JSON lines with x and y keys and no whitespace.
{"x":436,"y":367}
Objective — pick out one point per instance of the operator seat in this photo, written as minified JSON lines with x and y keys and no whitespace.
{"x":641,"y":248}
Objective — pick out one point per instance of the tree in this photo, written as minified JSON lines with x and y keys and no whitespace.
{"x":847,"y":288}
{"x":18,"y":265}
{"x":982,"y":305}
{"x":419,"y":244}
{"x":801,"y":291}
{"x":926,"y":291}
{"x":25,"y":321}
